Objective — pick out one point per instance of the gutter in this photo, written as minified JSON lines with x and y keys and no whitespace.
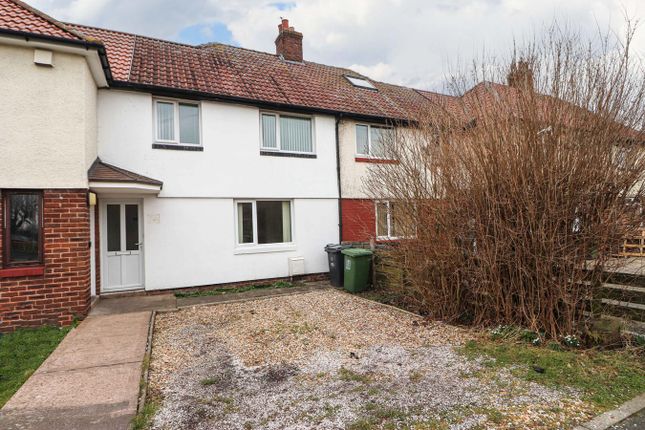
{"x":340,"y":191}
{"x":156,"y":90}
{"x":98,"y":46}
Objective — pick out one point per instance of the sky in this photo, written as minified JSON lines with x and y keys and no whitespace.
{"x":416,"y":43}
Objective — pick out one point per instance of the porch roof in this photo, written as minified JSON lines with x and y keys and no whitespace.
{"x":104,"y":176}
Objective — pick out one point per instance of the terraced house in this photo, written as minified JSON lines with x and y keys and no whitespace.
{"x":132,"y":164}
{"x":135,"y":164}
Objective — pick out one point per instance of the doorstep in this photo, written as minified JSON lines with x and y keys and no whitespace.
{"x":135,"y":303}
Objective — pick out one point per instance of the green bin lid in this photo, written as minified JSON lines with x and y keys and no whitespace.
{"x":356,"y":252}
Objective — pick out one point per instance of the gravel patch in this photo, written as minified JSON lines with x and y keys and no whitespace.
{"x":327,"y":360}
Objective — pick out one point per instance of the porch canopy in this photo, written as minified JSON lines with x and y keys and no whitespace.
{"x":106,"y":178}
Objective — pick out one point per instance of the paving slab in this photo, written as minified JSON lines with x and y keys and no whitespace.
{"x":635,"y":422}
{"x":104,"y":340}
{"x":627,"y":413}
{"x":91,"y":381}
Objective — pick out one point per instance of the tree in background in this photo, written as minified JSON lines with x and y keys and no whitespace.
{"x":512,"y":198}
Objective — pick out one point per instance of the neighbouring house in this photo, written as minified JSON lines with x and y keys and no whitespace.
{"x":49,"y":80}
{"x":136,"y":164}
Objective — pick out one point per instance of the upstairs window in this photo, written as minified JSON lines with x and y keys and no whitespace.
{"x":177,"y":122}
{"x":286,"y":133}
{"x":23,"y":232}
{"x":371,"y":140}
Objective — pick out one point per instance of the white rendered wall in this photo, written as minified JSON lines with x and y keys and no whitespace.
{"x":229,"y":166}
{"x":352,"y":172}
{"x":189,"y":228}
{"x":191,"y":242}
{"x":48,"y":120}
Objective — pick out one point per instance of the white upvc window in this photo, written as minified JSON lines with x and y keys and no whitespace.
{"x":264,"y":223}
{"x":286,"y":133}
{"x":386,"y":225}
{"x":177,"y":122}
{"x":371,"y":140}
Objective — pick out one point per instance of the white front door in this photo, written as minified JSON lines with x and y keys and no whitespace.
{"x":121,"y":245}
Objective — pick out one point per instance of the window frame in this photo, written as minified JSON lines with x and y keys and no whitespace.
{"x":361,"y":82}
{"x":254,"y":246}
{"x":176,"y":124}
{"x":389,"y":221}
{"x":6,"y":230}
{"x":277,"y":116}
{"x":369,"y":140}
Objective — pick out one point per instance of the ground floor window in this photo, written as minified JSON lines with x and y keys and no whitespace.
{"x":23,"y":233}
{"x":262,"y":222}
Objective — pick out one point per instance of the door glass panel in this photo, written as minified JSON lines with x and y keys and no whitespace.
{"x":114,"y":228}
{"x":131,"y":227}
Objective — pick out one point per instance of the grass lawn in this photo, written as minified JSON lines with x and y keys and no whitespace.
{"x":605,"y":378}
{"x":21,"y":352}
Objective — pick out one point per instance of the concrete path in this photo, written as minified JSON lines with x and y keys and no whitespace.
{"x":91,"y":381}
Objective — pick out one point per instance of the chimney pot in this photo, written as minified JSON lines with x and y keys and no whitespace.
{"x":288,"y":44}
{"x":521,"y":75}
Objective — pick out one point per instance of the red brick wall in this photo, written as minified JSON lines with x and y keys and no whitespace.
{"x":62,"y":292}
{"x":359,"y":222}
{"x":97,"y":248}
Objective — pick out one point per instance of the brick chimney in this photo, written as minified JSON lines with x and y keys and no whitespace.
{"x":289,"y":42}
{"x":521,"y":75}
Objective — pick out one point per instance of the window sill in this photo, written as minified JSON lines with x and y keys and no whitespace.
{"x":177,"y":147}
{"x":19,"y":272}
{"x":260,"y":249}
{"x":375,"y":160}
{"x":287,"y":154}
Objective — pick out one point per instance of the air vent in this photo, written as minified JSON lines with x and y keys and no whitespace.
{"x":296,"y":266}
{"x":43,"y":57}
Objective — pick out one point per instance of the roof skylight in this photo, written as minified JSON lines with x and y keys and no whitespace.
{"x":360,"y":82}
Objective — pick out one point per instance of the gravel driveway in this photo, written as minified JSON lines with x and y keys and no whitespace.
{"x":328,"y":360}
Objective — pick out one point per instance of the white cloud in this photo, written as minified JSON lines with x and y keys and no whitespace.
{"x":409,"y":42}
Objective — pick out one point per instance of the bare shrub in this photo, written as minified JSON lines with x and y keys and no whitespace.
{"x":513,"y":197}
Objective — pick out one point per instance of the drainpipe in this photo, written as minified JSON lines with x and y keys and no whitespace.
{"x":340,"y":207}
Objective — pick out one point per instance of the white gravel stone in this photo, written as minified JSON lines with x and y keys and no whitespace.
{"x":321,"y":360}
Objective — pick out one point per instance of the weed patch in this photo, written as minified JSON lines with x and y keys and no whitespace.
{"x":143,"y":419}
{"x":345,"y":374}
{"x":243,"y":289}
{"x":605,"y":378}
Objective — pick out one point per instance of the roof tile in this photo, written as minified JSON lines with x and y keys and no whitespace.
{"x":104,"y":172}
{"x":18,"y":16}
